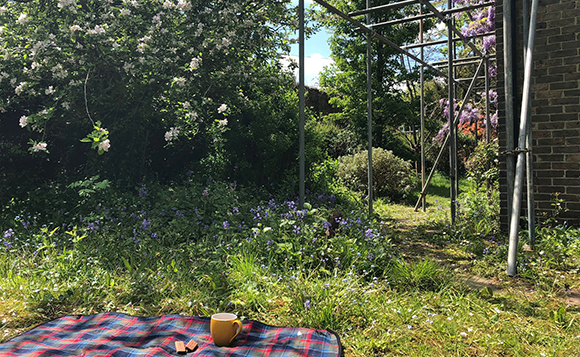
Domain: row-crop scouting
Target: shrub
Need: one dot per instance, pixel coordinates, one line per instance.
(339, 141)
(482, 164)
(392, 176)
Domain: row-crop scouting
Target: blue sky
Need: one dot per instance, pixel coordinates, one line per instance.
(317, 53)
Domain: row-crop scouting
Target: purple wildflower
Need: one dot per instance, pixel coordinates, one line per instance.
(9, 234)
(143, 191)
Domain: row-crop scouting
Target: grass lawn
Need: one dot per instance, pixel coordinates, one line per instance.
(400, 283)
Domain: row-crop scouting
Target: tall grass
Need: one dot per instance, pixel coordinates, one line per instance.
(202, 248)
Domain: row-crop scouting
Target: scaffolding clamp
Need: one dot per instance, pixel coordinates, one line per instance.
(513, 152)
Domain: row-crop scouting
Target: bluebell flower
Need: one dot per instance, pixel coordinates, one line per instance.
(296, 229)
(9, 234)
(145, 225)
(143, 191)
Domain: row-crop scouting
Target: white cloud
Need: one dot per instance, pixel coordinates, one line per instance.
(313, 65)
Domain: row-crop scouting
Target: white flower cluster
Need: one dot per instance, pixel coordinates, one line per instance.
(222, 108)
(105, 145)
(23, 121)
(180, 81)
(172, 134)
(66, 3)
(98, 30)
(195, 63)
(183, 5)
(22, 19)
(39, 147)
(21, 87)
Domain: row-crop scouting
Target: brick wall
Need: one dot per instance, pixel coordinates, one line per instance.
(555, 105)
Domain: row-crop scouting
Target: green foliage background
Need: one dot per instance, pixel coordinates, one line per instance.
(210, 70)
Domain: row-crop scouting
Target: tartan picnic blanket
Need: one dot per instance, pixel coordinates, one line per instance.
(121, 335)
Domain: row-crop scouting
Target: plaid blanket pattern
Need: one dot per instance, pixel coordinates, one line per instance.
(120, 335)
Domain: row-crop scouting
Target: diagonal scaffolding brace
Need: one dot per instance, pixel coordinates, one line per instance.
(453, 35)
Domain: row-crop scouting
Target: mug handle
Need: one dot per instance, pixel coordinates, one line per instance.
(239, 323)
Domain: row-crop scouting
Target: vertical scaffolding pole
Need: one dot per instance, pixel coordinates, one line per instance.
(529, 156)
(508, 59)
(524, 115)
(301, 101)
(487, 99)
(369, 113)
(422, 80)
(451, 98)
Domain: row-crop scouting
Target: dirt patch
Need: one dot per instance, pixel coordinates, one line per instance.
(478, 283)
(573, 298)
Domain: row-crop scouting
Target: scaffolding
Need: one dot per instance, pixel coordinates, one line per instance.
(515, 171)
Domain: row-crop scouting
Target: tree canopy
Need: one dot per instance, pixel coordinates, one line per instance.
(136, 76)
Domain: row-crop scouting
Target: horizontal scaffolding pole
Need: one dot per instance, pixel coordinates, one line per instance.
(473, 59)
(443, 18)
(460, 64)
(441, 42)
(380, 37)
(427, 16)
(483, 88)
(469, 79)
(383, 7)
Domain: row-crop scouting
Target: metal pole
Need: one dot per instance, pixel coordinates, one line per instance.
(427, 16)
(382, 7)
(301, 101)
(459, 62)
(508, 40)
(424, 200)
(524, 115)
(456, 120)
(441, 42)
(369, 114)
(529, 156)
(451, 28)
(379, 37)
(487, 99)
(451, 98)
(455, 95)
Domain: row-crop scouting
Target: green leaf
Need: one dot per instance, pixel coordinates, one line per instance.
(127, 265)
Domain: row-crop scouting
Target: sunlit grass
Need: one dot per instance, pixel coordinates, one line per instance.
(437, 205)
(396, 285)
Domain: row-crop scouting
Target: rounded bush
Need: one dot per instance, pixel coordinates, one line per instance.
(392, 176)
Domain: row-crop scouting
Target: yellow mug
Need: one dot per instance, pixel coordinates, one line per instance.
(223, 328)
